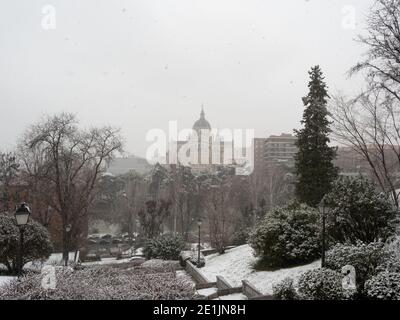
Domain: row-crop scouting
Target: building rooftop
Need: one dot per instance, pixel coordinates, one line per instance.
(202, 123)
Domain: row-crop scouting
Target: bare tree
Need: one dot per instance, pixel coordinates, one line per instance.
(152, 217)
(157, 206)
(217, 214)
(40, 192)
(134, 197)
(369, 125)
(183, 194)
(278, 184)
(382, 62)
(219, 208)
(71, 162)
(9, 167)
(272, 185)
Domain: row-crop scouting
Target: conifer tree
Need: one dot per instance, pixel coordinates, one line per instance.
(314, 168)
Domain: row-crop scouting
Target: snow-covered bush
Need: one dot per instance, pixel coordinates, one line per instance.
(365, 258)
(384, 286)
(101, 283)
(285, 290)
(37, 243)
(166, 247)
(321, 284)
(287, 236)
(193, 257)
(358, 212)
(392, 263)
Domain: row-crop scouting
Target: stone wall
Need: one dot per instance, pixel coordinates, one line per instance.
(196, 274)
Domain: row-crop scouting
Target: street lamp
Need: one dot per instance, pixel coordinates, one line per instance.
(128, 205)
(323, 207)
(21, 217)
(198, 247)
(68, 228)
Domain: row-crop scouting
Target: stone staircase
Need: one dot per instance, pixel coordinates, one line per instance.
(221, 289)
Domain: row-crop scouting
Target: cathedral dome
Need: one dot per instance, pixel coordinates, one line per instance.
(202, 123)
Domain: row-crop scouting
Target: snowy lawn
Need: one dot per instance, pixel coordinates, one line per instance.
(237, 265)
(54, 259)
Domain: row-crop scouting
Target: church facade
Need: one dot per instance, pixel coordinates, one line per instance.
(204, 150)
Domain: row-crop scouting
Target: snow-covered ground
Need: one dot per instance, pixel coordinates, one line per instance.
(207, 291)
(233, 296)
(237, 265)
(106, 261)
(5, 279)
(132, 251)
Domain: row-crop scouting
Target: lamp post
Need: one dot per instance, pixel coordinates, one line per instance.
(322, 209)
(21, 217)
(68, 228)
(198, 246)
(128, 208)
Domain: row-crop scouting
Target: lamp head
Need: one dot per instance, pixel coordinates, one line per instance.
(22, 214)
(68, 228)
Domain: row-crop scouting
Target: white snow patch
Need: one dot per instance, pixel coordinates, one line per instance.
(237, 265)
(5, 279)
(233, 296)
(106, 261)
(207, 291)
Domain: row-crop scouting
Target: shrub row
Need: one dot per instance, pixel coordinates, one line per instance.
(101, 283)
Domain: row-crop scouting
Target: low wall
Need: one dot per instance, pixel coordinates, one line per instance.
(249, 290)
(196, 274)
(200, 286)
(207, 252)
(263, 298)
(224, 292)
(222, 283)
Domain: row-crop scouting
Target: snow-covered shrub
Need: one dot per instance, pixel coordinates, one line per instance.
(285, 290)
(287, 236)
(358, 212)
(321, 284)
(37, 243)
(393, 246)
(384, 286)
(166, 247)
(101, 283)
(365, 258)
(193, 257)
(392, 263)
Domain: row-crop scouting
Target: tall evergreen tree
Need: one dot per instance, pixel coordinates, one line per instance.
(314, 167)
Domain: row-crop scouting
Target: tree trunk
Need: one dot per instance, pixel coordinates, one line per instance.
(65, 244)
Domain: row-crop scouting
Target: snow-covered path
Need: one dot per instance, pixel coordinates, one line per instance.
(236, 265)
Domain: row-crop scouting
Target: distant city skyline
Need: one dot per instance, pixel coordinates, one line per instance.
(140, 64)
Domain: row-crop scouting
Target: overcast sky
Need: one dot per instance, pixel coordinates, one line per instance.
(138, 64)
